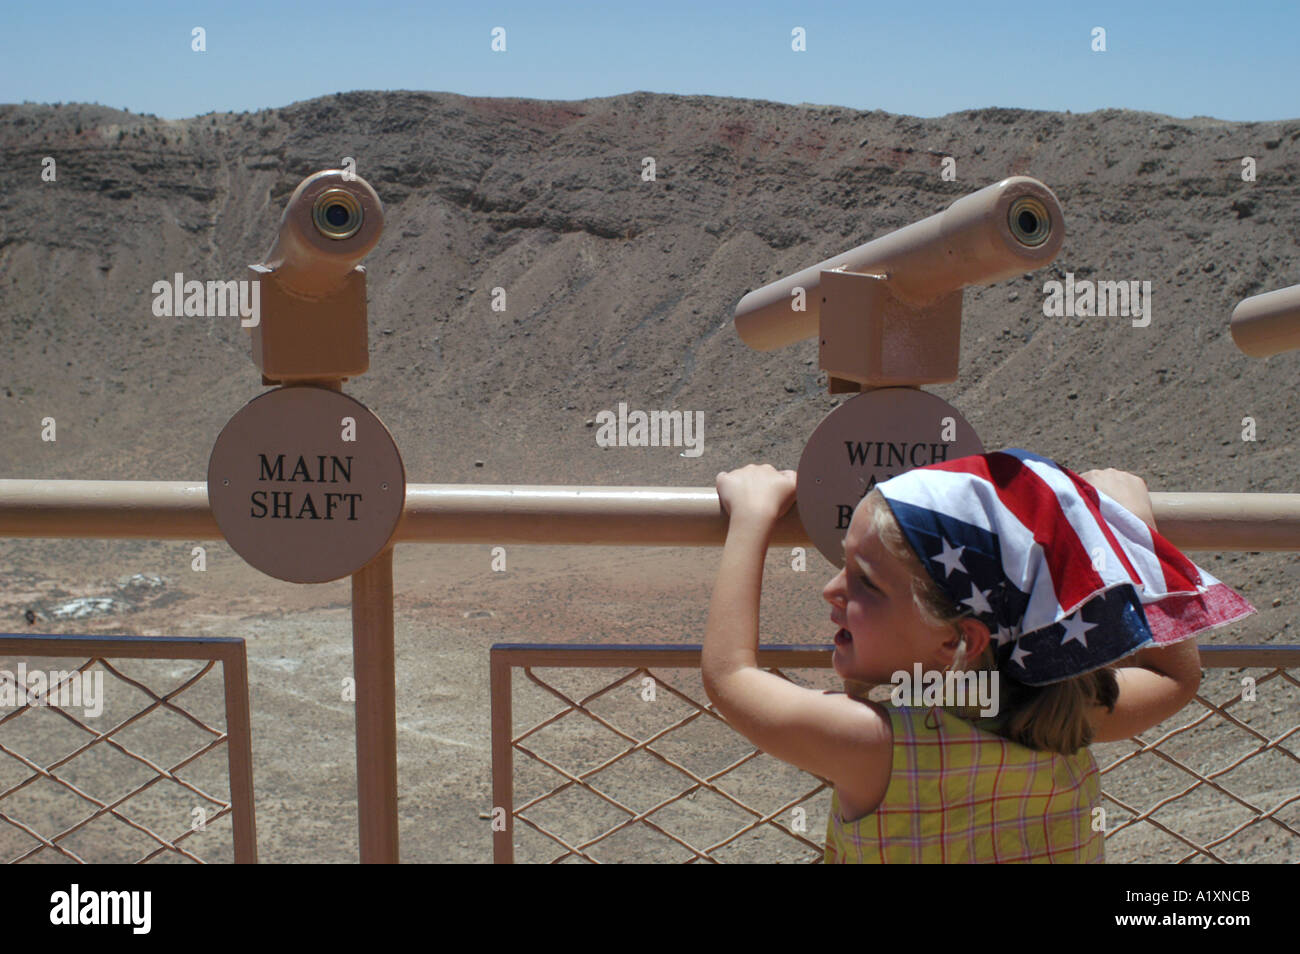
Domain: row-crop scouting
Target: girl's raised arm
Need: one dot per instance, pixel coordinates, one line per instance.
(1156, 682)
(829, 735)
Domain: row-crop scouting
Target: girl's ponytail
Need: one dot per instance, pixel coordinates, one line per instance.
(1054, 718)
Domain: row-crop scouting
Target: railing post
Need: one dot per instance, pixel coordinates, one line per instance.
(239, 746)
(376, 709)
(503, 770)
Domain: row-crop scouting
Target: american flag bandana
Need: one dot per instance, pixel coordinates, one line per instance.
(1066, 579)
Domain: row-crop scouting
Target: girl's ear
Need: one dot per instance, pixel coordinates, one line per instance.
(977, 637)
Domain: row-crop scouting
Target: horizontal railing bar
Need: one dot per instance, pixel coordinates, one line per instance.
(687, 655)
(99, 509)
(1234, 657)
(666, 656)
(217, 648)
(558, 514)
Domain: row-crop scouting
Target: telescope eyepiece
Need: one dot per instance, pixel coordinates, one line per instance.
(337, 214)
(1029, 221)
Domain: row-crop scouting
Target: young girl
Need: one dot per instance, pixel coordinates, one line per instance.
(1005, 563)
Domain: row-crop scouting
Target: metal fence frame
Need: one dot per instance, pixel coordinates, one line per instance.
(229, 651)
(639, 659)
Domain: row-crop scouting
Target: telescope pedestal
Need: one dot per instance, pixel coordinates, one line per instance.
(310, 339)
(870, 338)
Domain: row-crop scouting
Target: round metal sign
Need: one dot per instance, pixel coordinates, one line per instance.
(306, 484)
(877, 435)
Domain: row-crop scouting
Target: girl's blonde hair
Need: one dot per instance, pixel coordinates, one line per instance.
(1048, 718)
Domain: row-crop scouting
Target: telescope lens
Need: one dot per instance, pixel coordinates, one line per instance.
(1029, 222)
(337, 214)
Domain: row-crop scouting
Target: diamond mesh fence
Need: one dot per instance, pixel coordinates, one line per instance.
(614, 754)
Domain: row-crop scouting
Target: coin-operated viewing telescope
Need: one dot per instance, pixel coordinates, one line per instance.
(313, 292)
(889, 312)
(888, 318)
(305, 482)
(1268, 324)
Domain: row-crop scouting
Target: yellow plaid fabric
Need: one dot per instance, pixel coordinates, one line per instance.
(960, 794)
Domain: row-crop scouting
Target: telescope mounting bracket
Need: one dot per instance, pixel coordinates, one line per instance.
(870, 338)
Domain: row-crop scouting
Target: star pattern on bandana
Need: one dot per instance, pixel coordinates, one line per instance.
(978, 600)
(950, 558)
(1075, 628)
(986, 604)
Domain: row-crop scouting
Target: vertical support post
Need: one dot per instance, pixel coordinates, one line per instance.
(239, 754)
(376, 713)
(503, 780)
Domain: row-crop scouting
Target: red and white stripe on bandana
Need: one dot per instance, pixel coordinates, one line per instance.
(1066, 579)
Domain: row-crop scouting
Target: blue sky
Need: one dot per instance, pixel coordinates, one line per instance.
(1230, 61)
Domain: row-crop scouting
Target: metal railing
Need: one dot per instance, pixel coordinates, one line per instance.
(789, 816)
(521, 514)
(62, 772)
(560, 514)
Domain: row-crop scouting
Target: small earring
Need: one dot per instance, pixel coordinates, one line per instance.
(961, 647)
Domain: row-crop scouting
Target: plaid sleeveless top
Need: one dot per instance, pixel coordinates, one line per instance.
(961, 794)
